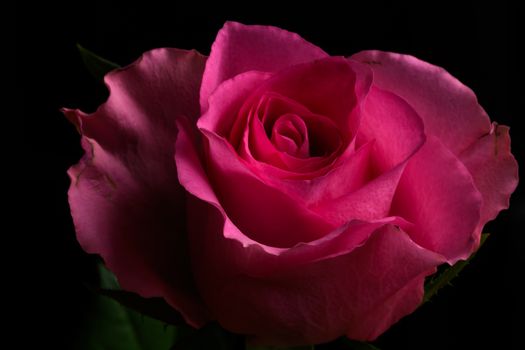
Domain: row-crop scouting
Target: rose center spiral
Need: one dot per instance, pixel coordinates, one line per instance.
(290, 135)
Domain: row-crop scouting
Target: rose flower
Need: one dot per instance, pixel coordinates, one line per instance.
(292, 196)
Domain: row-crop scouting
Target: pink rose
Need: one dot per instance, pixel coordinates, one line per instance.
(292, 196)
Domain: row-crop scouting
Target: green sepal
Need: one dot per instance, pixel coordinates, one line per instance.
(111, 326)
(96, 65)
(440, 280)
(155, 308)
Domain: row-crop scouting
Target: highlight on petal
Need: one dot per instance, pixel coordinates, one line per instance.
(124, 196)
(241, 48)
(450, 110)
(437, 194)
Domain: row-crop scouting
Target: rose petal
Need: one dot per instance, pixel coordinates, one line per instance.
(240, 48)
(195, 180)
(256, 148)
(449, 109)
(437, 194)
(125, 200)
(332, 87)
(260, 211)
(310, 293)
(395, 127)
(494, 170)
(305, 302)
(372, 201)
(290, 136)
(225, 115)
(246, 199)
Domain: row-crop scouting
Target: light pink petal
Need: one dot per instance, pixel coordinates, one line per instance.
(240, 48)
(449, 109)
(124, 196)
(438, 195)
(494, 170)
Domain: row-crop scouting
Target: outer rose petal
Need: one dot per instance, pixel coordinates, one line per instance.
(449, 109)
(124, 196)
(437, 194)
(239, 48)
(451, 112)
(494, 170)
(360, 293)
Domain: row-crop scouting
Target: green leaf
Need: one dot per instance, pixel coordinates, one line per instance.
(96, 65)
(107, 278)
(442, 279)
(111, 326)
(155, 308)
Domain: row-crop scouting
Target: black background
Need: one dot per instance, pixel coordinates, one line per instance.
(478, 43)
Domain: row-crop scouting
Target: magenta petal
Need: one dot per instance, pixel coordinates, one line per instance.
(494, 170)
(449, 109)
(370, 202)
(262, 154)
(259, 210)
(437, 194)
(240, 48)
(359, 293)
(331, 87)
(351, 281)
(290, 135)
(124, 196)
(395, 127)
(226, 103)
(195, 180)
